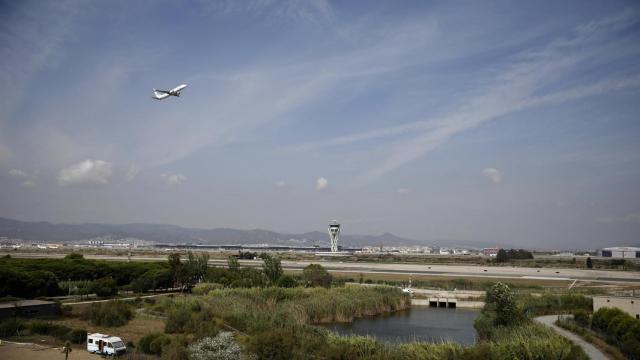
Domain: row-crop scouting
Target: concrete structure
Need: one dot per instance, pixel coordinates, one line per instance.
(621, 252)
(443, 302)
(334, 233)
(28, 308)
(630, 305)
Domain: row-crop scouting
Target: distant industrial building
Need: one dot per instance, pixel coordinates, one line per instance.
(630, 305)
(27, 308)
(621, 252)
(490, 251)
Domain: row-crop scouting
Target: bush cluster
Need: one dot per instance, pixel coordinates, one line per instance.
(64, 333)
(554, 303)
(109, 313)
(513, 254)
(12, 327)
(18, 327)
(619, 329)
(316, 275)
(153, 343)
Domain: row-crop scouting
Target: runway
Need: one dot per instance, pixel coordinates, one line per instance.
(455, 271)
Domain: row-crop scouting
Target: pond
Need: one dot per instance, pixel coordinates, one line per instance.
(419, 323)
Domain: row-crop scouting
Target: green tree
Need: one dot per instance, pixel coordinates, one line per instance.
(589, 263)
(194, 269)
(287, 281)
(104, 287)
(272, 267)
(503, 299)
(108, 313)
(233, 263)
(316, 275)
(581, 317)
(175, 266)
(74, 256)
(501, 256)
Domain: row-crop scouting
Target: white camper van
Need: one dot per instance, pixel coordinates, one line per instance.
(105, 344)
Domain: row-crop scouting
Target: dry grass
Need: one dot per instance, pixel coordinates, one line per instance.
(139, 326)
(20, 352)
(405, 277)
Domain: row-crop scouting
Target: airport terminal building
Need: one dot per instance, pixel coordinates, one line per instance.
(621, 252)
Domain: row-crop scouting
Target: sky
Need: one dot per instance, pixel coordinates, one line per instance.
(494, 121)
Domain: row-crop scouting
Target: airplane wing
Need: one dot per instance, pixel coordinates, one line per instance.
(160, 91)
(179, 88)
(160, 95)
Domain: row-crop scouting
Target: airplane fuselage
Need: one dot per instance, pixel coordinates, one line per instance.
(163, 94)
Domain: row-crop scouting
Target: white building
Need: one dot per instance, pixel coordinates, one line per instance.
(621, 252)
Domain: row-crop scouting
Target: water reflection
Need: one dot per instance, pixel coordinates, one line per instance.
(419, 323)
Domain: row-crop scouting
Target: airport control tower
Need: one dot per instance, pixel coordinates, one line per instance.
(334, 232)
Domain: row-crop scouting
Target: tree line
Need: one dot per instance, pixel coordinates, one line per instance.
(513, 254)
(31, 278)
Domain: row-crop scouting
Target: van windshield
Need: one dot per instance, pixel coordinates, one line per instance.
(118, 344)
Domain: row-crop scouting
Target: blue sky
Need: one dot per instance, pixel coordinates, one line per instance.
(489, 121)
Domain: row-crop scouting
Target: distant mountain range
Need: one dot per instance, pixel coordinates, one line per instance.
(171, 234)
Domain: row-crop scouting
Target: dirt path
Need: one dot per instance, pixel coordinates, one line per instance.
(127, 298)
(593, 352)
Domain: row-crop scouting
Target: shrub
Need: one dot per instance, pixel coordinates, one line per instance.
(11, 327)
(581, 317)
(316, 275)
(176, 349)
(78, 336)
(204, 288)
(222, 347)
(64, 333)
(110, 313)
(552, 303)
(178, 319)
(272, 267)
(273, 344)
(156, 345)
(503, 299)
(620, 329)
(152, 343)
(74, 256)
(287, 281)
(104, 287)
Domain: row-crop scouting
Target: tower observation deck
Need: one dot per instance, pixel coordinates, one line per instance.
(334, 233)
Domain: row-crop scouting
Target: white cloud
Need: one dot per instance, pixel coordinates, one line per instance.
(280, 183)
(17, 173)
(321, 183)
(632, 218)
(5, 153)
(515, 87)
(403, 190)
(27, 180)
(174, 179)
(313, 11)
(493, 174)
(88, 171)
(131, 174)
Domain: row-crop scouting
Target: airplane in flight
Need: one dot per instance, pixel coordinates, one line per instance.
(163, 94)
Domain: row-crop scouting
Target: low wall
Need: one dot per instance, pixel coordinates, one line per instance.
(460, 304)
